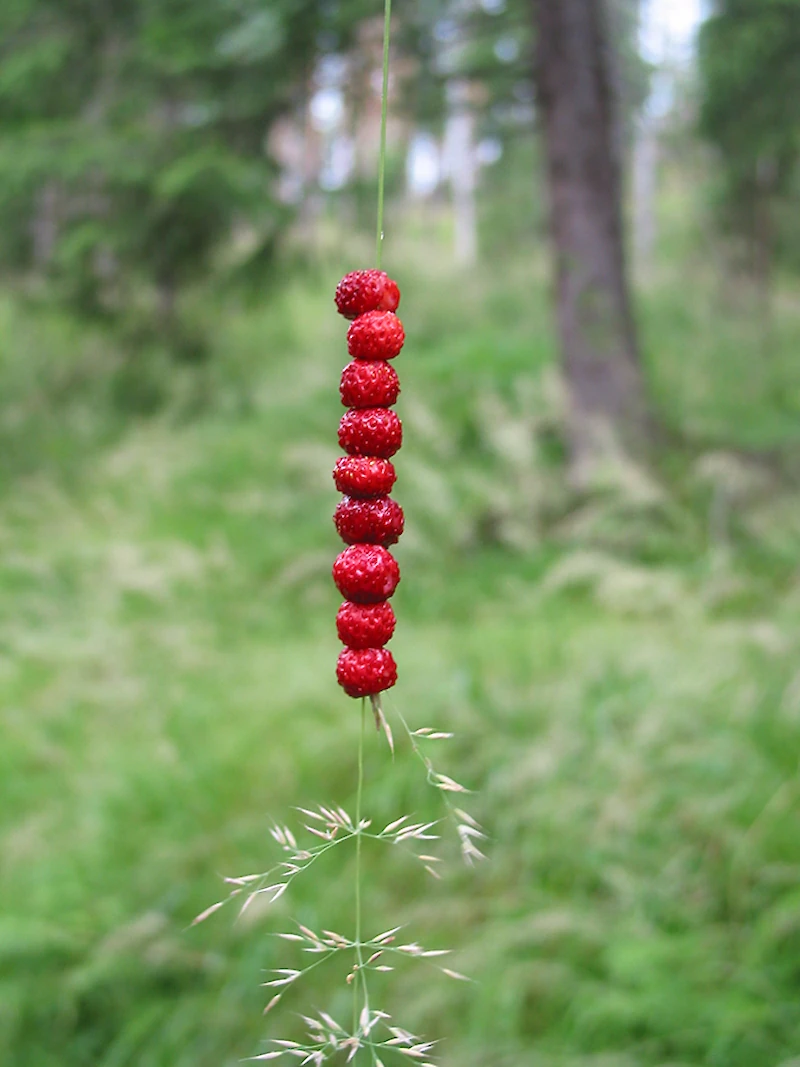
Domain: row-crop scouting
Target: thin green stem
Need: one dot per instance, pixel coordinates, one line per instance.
(361, 976)
(387, 20)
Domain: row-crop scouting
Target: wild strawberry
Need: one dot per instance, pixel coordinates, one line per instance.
(364, 672)
(375, 335)
(366, 574)
(364, 476)
(371, 432)
(365, 625)
(366, 290)
(369, 384)
(371, 522)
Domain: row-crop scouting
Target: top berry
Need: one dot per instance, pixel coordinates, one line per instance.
(366, 290)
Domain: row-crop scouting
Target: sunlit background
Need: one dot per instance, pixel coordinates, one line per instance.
(614, 646)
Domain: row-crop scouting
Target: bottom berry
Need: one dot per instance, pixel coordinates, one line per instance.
(364, 672)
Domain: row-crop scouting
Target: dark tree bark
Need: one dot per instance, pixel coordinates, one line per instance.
(577, 90)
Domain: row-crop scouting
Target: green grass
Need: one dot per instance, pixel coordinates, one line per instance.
(620, 673)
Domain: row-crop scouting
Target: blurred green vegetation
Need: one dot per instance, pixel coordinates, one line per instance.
(619, 666)
(620, 670)
(749, 110)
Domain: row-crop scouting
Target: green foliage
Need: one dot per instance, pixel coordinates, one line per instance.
(750, 111)
(132, 151)
(620, 672)
(751, 81)
(634, 71)
(135, 133)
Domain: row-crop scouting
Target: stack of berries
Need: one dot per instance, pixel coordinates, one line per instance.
(367, 518)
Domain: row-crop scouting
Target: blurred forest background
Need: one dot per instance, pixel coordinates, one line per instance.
(609, 621)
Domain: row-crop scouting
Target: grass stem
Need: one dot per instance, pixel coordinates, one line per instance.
(361, 976)
(387, 20)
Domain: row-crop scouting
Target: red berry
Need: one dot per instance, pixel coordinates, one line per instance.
(363, 672)
(375, 335)
(369, 384)
(364, 476)
(365, 625)
(366, 574)
(371, 432)
(371, 522)
(366, 290)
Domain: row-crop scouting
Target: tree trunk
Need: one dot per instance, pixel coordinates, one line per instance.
(459, 139)
(576, 89)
